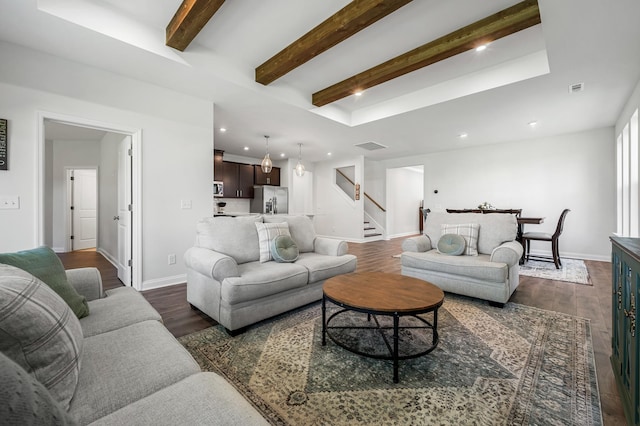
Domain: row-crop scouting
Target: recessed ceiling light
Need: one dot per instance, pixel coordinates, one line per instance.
(222, 129)
(246, 148)
(463, 135)
(481, 48)
(328, 153)
(282, 154)
(533, 123)
(358, 93)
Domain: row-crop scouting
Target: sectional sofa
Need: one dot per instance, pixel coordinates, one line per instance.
(118, 365)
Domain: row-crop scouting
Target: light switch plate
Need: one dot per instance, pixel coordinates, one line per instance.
(9, 202)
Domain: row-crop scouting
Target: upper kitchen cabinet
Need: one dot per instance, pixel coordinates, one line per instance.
(218, 167)
(271, 178)
(237, 179)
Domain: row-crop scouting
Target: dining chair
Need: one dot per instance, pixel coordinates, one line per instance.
(527, 237)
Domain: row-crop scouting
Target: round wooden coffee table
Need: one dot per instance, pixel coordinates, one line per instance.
(379, 293)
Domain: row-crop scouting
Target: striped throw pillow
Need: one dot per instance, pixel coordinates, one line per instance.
(40, 332)
(266, 233)
(468, 231)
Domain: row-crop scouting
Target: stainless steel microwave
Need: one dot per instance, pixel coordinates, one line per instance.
(218, 188)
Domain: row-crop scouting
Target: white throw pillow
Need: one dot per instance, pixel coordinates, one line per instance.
(266, 233)
(469, 231)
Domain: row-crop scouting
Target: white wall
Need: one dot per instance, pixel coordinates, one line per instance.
(542, 177)
(176, 148)
(108, 193)
(403, 201)
(336, 214)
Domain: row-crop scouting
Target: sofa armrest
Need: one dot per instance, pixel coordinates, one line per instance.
(330, 246)
(509, 253)
(86, 281)
(211, 263)
(418, 244)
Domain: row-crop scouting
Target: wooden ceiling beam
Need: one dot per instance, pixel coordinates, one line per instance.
(352, 18)
(189, 19)
(508, 21)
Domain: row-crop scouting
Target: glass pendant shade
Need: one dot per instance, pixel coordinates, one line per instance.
(266, 164)
(299, 167)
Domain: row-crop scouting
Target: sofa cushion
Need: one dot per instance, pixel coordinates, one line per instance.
(322, 266)
(284, 249)
(266, 233)
(469, 231)
(451, 244)
(258, 280)
(25, 401)
(44, 264)
(200, 399)
(123, 306)
(234, 236)
(125, 365)
(39, 332)
(301, 230)
(477, 267)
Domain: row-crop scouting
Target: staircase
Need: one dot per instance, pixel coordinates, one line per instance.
(370, 231)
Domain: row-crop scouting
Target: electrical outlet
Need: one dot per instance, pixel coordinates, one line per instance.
(185, 204)
(172, 259)
(9, 202)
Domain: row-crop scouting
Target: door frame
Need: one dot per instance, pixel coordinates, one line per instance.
(136, 181)
(68, 215)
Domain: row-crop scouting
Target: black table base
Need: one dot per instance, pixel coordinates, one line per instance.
(392, 347)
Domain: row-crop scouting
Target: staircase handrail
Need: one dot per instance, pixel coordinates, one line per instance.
(365, 194)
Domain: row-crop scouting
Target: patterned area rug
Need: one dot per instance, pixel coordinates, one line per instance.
(513, 366)
(573, 271)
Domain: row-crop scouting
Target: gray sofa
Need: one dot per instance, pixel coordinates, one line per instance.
(491, 275)
(131, 370)
(227, 281)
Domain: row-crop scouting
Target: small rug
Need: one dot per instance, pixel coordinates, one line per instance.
(513, 366)
(573, 271)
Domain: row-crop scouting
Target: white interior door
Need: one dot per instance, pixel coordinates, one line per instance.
(84, 210)
(123, 216)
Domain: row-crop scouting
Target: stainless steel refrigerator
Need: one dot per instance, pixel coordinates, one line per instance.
(269, 199)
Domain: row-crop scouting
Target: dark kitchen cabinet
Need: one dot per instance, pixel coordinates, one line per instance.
(237, 179)
(262, 178)
(218, 167)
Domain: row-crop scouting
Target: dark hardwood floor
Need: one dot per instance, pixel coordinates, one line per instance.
(593, 302)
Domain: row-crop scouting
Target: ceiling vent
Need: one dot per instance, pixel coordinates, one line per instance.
(577, 87)
(371, 146)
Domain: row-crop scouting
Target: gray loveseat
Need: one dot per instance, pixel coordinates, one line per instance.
(227, 281)
(130, 371)
(491, 275)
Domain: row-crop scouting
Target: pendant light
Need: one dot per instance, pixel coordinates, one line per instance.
(299, 166)
(266, 164)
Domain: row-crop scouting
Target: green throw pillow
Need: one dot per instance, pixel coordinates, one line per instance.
(284, 249)
(452, 244)
(44, 264)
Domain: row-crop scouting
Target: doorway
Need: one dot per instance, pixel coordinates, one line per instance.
(82, 209)
(106, 240)
(405, 192)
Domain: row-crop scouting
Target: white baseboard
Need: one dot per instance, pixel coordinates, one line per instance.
(108, 256)
(404, 234)
(164, 282)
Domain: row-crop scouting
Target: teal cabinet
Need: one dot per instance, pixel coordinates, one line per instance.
(625, 261)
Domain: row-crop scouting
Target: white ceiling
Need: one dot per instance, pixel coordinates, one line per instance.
(491, 96)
